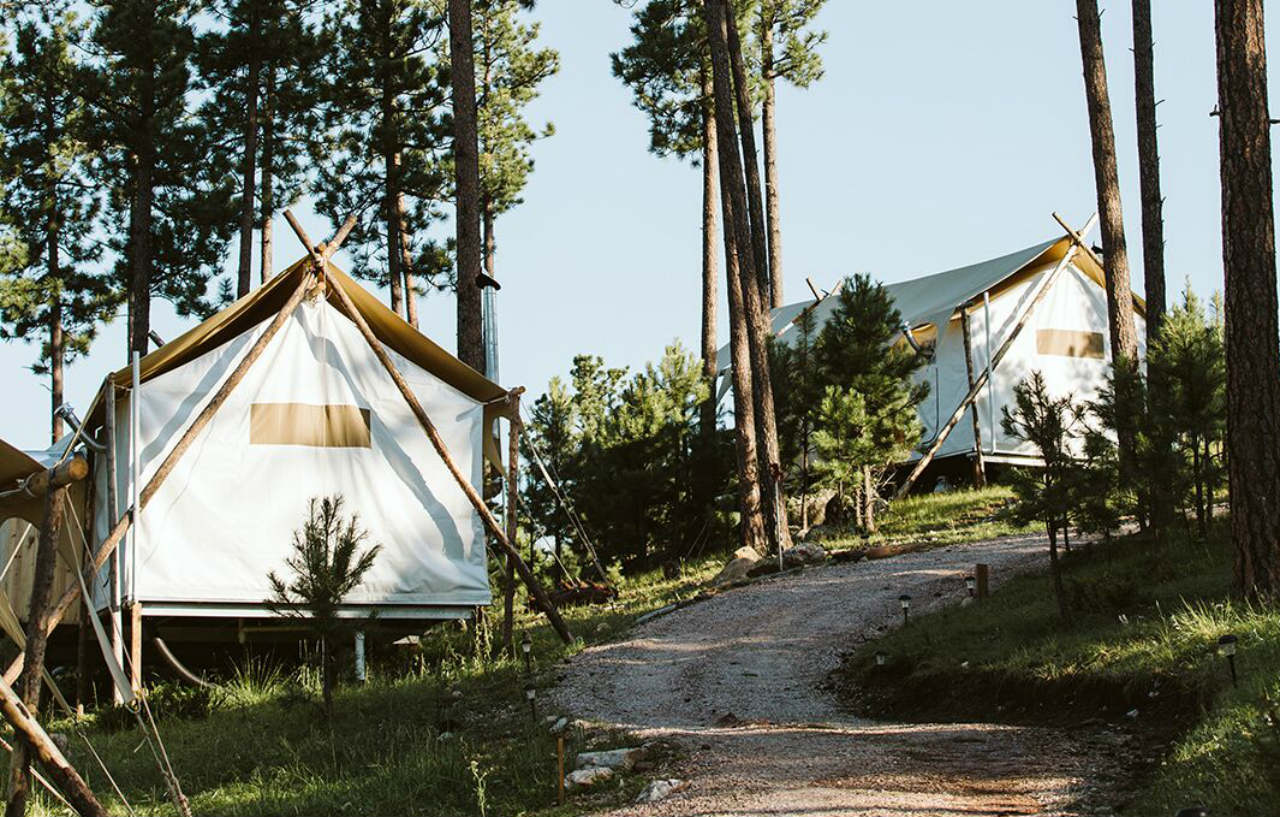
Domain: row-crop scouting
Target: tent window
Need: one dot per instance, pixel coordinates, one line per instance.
(332, 426)
(1070, 343)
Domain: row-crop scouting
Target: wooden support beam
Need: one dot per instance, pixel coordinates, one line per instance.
(979, 465)
(47, 754)
(113, 512)
(1077, 238)
(46, 562)
(135, 647)
(437, 442)
(64, 473)
(162, 473)
(513, 487)
(1046, 283)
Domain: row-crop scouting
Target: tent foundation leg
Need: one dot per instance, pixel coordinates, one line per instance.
(135, 646)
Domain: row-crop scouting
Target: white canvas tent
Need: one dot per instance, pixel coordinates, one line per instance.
(1065, 337)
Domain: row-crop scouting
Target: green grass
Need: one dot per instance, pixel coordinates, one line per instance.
(1145, 626)
(935, 520)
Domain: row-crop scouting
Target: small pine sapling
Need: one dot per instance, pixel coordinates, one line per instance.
(329, 560)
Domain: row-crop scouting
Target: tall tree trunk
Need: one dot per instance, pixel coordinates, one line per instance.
(56, 341)
(28, 684)
(391, 200)
(769, 126)
(710, 190)
(741, 269)
(1252, 330)
(268, 174)
(1149, 166)
(756, 301)
(406, 266)
(140, 248)
(746, 132)
(467, 170)
(1124, 339)
(244, 271)
(394, 222)
(869, 495)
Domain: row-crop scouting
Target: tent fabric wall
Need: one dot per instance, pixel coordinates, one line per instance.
(225, 517)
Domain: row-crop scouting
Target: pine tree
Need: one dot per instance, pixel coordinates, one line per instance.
(799, 390)
(257, 70)
(55, 294)
(859, 349)
(389, 149)
(466, 170)
(1252, 325)
(1044, 494)
(552, 434)
(509, 69)
(172, 200)
(788, 51)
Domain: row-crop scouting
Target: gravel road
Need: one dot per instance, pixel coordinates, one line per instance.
(760, 654)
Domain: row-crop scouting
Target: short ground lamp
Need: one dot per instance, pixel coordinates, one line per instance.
(881, 658)
(526, 646)
(531, 692)
(971, 584)
(1227, 647)
(905, 601)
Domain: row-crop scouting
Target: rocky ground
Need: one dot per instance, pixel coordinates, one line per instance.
(737, 681)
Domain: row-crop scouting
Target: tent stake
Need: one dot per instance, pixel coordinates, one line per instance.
(1077, 239)
(108, 546)
(437, 442)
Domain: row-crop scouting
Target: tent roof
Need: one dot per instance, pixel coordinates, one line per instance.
(933, 297)
(268, 299)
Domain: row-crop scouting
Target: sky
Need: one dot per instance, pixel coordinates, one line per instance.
(942, 134)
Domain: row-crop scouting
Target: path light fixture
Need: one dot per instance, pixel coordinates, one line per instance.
(1227, 647)
(905, 601)
(526, 646)
(971, 584)
(881, 658)
(531, 692)
(1193, 811)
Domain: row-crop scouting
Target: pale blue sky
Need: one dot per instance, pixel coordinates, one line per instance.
(943, 133)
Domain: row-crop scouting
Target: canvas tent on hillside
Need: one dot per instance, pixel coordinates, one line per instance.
(1065, 337)
(315, 415)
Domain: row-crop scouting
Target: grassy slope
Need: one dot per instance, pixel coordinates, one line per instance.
(1143, 638)
(265, 749)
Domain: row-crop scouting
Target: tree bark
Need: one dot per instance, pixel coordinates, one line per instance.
(467, 171)
(710, 190)
(1149, 166)
(244, 270)
(268, 174)
(406, 266)
(57, 344)
(143, 194)
(1252, 331)
(740, 266)
(746, 132)
(394, 221)
(768, 123)
(979, 466)
(28, 686)
(869, 494)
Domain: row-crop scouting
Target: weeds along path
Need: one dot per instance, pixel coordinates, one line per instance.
(737, 680)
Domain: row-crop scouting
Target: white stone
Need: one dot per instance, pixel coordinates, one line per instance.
(660, 789)
(611, 759)
(584, 778)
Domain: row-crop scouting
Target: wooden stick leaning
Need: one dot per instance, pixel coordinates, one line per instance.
(437, 442)
(121, 527)
(1045, 285)
(979, 466)
(46, 752)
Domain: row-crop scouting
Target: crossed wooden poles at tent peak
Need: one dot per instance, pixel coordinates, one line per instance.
(1046, 283)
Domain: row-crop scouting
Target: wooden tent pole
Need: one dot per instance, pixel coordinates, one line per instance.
(979, 465)
(437, 442)
(509, 575)
(46, 562)
(113, 512)
(1045, 285)
(46, 752)
(109, 544)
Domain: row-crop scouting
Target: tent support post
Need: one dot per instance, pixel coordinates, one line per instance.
(979, 465)
(1045, 285)
(113, 504)
(135, 646)
(437, 442)
(109, 545)
(513, 486)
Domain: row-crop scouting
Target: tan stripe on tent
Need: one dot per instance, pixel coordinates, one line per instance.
(1070, 343)
(331, 426)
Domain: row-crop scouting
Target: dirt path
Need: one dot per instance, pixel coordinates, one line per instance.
(737, 681)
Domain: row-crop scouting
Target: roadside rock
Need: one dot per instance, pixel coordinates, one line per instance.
(804, 553)
(744, 558)
(586, 778)
(622, 759)
(660, 789)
